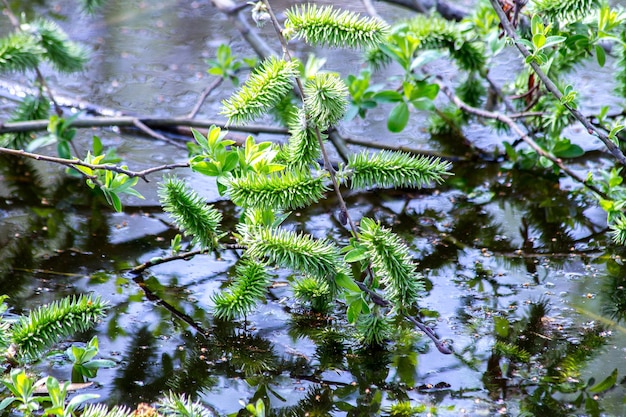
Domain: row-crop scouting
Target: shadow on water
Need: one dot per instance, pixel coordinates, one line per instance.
(520, 276)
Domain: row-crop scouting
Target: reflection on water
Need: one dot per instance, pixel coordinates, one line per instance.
(520, 276)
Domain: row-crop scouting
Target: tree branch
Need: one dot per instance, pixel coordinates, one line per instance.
(553, 89)
(514, 127)
(149, 121)
(74, 163)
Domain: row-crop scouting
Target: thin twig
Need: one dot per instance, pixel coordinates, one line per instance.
(141, 126)
(371, 10)
(74, 163)
(158, 261)
(377, 299)
(152, 296)
(552, 88)
(205, 93)
(401, 148)
(180, 256)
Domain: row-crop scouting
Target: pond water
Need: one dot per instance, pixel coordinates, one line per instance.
(513, 259)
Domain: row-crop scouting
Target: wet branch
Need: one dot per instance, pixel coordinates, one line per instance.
(183, 256)
(553, 89)
(132, 121)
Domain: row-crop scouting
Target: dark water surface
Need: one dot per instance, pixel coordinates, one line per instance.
(496, 248)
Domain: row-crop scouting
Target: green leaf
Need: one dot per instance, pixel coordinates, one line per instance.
(7, 402)
(115, 201)
(97, 145)
(608, 383)
(344, 281)
(501, 326)
(63, 149)
(231, 162)
(398, 118)
(387, 96)
(600, 55)
(357, 254)
(354, 310)
(207, 168)
(553, 40)
(539, 40)
(570, 151)
(423, 103)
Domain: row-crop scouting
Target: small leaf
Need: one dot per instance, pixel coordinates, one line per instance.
(97, 145)
(116, 202)
(501, 326)
(346, 282)
(398, 118)
(600, 55)
(356, 254)
(206, 168)
(571, 151)
(608, 383)
(387, 96)
(231, 161)
(539, 40)
(63, 149)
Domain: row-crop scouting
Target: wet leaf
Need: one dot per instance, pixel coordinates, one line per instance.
(606, 384)
(398, 118)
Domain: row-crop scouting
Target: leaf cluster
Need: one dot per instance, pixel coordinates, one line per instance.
(37, 41)
(271, 81)
(564, 10)
(394, 169)
(300, 252)
(249, 286)
(286, 190)
(44, 326)
(327, 26)
(190, 212)
(391, 263)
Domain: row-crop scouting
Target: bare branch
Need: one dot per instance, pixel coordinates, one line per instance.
(205, 93)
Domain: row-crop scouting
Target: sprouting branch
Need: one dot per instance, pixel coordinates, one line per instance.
(515, 127)
(553, 89)
(74, 163)
(327, 163)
